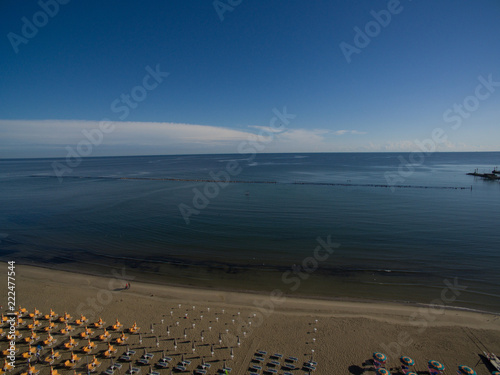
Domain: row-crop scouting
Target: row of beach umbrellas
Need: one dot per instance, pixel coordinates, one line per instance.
(407, 361)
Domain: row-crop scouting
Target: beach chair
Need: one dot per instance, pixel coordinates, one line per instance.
(117, 325)
(111, 350)
(105, 336)
(69, 364)
(31, 371)
(35, 314)
(50, 340)
(50, 326)
(100, 323)
(21, 311)
(7, 366)
(96, 362)
(122, 340)
(81, 321)
(89, 347)
(273, 363)
(53, 372)
(51, 315)
(133, 370)
(75, 358)
(65, 318)
(288, 366)
(134, 328)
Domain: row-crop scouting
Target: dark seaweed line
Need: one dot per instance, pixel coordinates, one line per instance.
(263, 182)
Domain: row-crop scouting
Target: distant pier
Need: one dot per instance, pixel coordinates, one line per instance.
(494, 175)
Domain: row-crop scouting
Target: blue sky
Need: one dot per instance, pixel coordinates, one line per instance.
(228, 71)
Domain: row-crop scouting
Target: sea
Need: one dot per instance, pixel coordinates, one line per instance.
(411, 228)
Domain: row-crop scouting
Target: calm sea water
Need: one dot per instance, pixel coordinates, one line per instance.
(395, 244)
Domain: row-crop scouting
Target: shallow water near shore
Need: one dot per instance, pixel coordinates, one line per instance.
(394, 244)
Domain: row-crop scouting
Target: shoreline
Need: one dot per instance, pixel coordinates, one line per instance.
(348, 285)
(33, 270)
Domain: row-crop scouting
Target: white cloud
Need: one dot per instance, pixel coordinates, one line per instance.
(342, 132)
(27, 137)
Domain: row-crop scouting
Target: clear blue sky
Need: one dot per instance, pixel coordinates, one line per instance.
(226, 76)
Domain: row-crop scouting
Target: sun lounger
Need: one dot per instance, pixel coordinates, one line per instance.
(258, 359)
(277, 356)
(262, 352)
(270, 371)
(274, 363)
(292, 359)
(309, 367)
(133, 370)
(180, 368)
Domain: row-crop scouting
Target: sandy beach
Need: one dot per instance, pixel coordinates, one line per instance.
(340, 335)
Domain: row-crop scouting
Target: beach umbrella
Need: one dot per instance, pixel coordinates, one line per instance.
(405, 360)
(436, 365)
(411, 373)
(383, 371)
(212, 350)
(232, 354)
(466, 370)
(495, 373)
(381, 357)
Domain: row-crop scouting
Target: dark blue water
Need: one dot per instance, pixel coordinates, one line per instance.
(395, 243)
